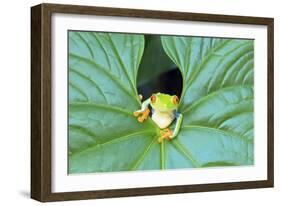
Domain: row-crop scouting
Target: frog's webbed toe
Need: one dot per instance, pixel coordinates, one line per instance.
(165, 134)
(142, 115)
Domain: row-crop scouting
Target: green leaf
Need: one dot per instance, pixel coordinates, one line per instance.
(103, 67)
(216, 101)
(103, 134)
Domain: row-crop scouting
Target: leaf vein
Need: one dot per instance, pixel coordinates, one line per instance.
(186, 153)
(79, 90)
(143, 155)
(102, 69)
(90, 80)
(187, 109)
(112, 141)
(121, 63)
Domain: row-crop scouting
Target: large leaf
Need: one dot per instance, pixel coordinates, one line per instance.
(103, 134)
(216, 101)
(217, 96)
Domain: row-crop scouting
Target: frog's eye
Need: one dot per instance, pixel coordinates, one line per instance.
(175, 99)
(153, 98)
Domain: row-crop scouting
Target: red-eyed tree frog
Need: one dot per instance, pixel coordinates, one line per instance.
(164, 112)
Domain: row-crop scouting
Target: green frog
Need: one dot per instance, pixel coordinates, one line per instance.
(164, 112)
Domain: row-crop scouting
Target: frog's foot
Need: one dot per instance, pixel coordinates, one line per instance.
(165, 134)
(142, 115)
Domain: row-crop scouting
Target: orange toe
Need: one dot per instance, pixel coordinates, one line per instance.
(165, 134)
(136, 113)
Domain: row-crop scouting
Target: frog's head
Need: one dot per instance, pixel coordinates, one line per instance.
(164, 102)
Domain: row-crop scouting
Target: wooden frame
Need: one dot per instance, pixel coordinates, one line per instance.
(41, 101)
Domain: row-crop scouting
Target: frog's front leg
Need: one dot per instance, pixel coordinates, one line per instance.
(178, 125)
(143, 113)
(168, 133)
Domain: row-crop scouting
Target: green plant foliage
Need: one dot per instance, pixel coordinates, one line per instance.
(217, 98)
(103, 134)
(216, 102)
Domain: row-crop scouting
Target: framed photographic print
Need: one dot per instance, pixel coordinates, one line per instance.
(132, 102)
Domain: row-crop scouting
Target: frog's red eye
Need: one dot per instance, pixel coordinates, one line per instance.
(153, 98)
(175, 99)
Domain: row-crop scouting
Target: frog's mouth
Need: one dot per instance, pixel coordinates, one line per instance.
(163, 109)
